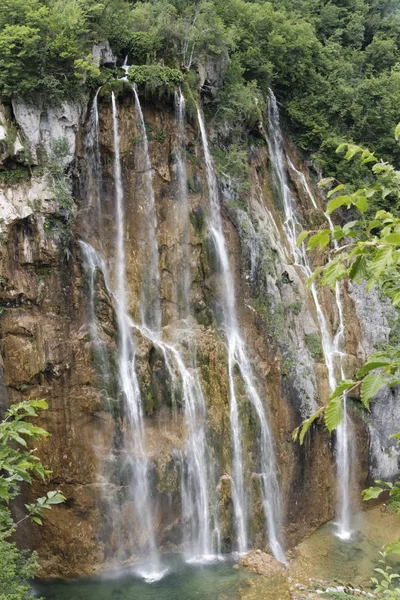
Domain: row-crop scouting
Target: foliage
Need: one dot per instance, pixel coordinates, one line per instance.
(314, 345)
(155, 77)
(366, 248)
(16, 569)
(18, 464)
(370, 252)
(331, 64)
(389, 584)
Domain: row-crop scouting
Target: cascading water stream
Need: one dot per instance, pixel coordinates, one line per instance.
(197, 472)
(331, 346)
(150, 293)
(237, 357)
(129, 383)
(180, 110)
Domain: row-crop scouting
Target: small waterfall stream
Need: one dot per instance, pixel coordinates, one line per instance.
(238, 358)
(129, 382)
(332, 346)
(150, 279)
(197, 472)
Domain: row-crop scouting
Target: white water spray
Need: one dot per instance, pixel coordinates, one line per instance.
(238, 358)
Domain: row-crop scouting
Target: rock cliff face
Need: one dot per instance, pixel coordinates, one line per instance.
(47, 349)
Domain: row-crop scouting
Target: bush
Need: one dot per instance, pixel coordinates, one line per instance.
(16, 569)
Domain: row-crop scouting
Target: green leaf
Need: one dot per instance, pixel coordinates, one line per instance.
(333, 414)
(342, 387)
(320, 239)
(372, 493)
(37, 520)
(370, 386)
(325, 181)
(392, 238)
(383, 258)
(397, 131)
(352, 150)
(307, 424)
(358, 269)
(336, 189)
(361, 203)
(337, 203)
(332, 272)
(373, 363)
(302, 236)
(393, 548)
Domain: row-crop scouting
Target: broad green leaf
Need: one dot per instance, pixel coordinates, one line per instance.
(302, 236)
(352, 150)
(37, 520)
(336, 189)
(397, 131)
(342, 387)
(370, 386)
(358, 269)
(361, 203)
(383, 258)
(372, 493)
(333, 272)
(307, 424)
(393, 548)
(372, 364)
(333, 414)
(392, 238)
(337, 203)
(320, 239)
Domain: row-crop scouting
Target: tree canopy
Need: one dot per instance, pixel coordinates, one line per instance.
(334, 66)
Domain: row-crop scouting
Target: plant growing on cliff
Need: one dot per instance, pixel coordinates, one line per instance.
(19, 465)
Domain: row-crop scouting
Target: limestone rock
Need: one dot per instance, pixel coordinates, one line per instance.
(41, 127)
(103, 55)
(211, 74)
(261, 563)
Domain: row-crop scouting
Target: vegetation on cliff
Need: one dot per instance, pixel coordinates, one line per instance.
(331, 64)
(19, 465)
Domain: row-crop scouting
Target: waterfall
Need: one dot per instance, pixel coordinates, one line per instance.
(129, 383)
(197, 471)
(150, 293)
(238, 358)
(331, 346)
(180, 111)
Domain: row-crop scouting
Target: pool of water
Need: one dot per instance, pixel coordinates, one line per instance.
(183, 582)
(321, 557)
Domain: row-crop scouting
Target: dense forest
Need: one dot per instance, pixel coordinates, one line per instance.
(333, 65)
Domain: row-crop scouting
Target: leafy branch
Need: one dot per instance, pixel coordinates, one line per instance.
(19, 464)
